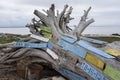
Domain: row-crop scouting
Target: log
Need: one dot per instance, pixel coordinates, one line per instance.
(59, 26)
(82, 24)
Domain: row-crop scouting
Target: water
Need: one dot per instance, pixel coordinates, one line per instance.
(102, 30)
(15, 30)
(88, 30)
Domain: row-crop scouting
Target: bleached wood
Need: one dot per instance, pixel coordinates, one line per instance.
(39, 38)
(52, 54)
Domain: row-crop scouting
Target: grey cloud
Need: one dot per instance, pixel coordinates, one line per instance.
(20, 12)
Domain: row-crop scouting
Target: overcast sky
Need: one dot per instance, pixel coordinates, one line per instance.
(15, 13)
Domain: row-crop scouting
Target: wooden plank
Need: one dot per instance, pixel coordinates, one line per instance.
(47, 35)
(69, 74)
(47, 29)
(93, 49)
(68, 39)
(39, 38)
(94, 41)
(50, 45)
(70, 58)
(95, 61)
(114, 74)
(52, 54)
(30, 45)
(70, 47)
(92, 72)
(113, 52)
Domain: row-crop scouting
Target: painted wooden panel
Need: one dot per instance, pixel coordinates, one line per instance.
(93, 49)
(47, 29)
(70, 58)
(92, 72)
(68, 39)
(39, 38)
(52, 54)
(70, 74)
(30, 45)
(114, 74)
(113, 52)
(47, 35)
(94, 41)
(70, 47)
(50, 45)
(95, 61)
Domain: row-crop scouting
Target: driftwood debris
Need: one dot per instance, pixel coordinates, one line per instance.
(59, 22)
(62, 57)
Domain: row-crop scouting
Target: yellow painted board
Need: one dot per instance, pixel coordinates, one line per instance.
(95, 61)
(111, 72)
(113, 52)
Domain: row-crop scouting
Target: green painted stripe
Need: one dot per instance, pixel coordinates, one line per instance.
(47, 29)
(47, 35)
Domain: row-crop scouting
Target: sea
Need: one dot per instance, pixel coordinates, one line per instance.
(88, 30)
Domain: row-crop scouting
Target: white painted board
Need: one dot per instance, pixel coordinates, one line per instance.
(39, 38)
(52, 54)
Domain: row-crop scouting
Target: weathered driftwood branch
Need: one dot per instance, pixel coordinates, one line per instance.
(82, 24)
(8, 47)
(59, 26)
(59, 23)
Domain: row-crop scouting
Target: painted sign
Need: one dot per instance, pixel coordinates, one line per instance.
(30, 45)
(70, 74)
(70, 47)
(39, 38)
(113, 52)
(68, 39)
(95, 61)
(114, 74)
(92, 72)
(52, 54)
(94, 41)
(47, 29)
(93, 49)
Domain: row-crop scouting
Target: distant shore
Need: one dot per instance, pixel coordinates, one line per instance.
(88, 30)
(8, 37)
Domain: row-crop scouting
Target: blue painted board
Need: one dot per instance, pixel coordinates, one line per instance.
(30, 45)
(92, 72)
(93, 49)
(94, 41)
(70, 74)
(50, 45)
(72, 48)
(68, 39)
